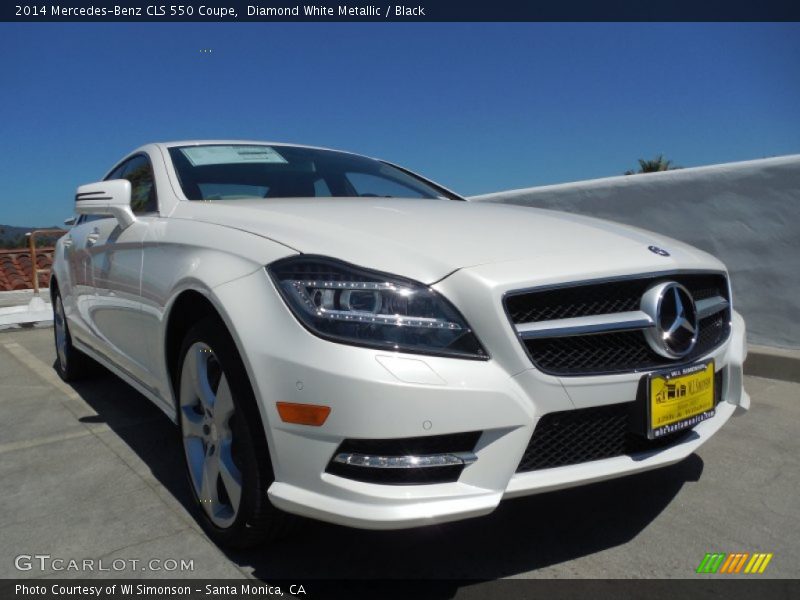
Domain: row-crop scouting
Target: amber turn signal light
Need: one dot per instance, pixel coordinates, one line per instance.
(303, 414)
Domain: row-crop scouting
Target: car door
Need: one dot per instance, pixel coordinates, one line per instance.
(80, 294)
(116, 265)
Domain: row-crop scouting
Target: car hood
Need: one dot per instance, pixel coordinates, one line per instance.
(428, 239)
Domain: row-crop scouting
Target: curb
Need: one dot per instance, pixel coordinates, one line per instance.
(35, 311)
(21, 297)
(773, 363)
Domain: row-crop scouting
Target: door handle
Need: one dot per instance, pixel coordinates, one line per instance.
(68, 241)
(92, 238)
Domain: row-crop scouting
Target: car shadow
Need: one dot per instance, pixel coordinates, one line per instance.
(522, 535)
(140, 425)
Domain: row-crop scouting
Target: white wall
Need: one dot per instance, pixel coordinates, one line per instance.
(747, 214)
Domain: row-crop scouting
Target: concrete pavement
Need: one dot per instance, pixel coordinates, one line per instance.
(83, 477)
(93, 471)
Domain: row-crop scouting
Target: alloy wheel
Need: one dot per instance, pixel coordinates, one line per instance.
(60, 333)
(207, 421)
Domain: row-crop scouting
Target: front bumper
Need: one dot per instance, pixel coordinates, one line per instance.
(379, 395)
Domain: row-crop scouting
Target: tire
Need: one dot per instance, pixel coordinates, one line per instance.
(71, 363)
(224, 444)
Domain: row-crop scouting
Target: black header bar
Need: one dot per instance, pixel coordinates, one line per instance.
(211, 11)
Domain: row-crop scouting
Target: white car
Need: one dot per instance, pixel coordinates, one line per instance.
(342, 339)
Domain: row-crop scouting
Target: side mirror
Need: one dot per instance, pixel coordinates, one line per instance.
(109, 198)
(70, 222)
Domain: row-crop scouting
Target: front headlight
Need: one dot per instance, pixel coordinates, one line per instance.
(347, 304)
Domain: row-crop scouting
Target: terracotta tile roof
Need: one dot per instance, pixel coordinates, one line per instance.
(15, 268)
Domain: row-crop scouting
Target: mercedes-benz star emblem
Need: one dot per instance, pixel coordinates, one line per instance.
(675, 328)
(657, 250)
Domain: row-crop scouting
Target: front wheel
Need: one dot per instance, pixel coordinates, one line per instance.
(224, 444)
(71, 363)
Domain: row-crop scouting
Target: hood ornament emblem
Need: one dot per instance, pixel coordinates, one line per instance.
(675, 322)
(657, 250)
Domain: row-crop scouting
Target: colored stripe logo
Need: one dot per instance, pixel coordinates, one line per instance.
(735, 562)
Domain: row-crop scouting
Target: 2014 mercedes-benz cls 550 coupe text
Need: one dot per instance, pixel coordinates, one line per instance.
(342, 339)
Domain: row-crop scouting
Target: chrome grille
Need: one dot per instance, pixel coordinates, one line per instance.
(596, 328)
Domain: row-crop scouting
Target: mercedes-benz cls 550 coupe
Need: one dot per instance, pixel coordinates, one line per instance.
(339, 338)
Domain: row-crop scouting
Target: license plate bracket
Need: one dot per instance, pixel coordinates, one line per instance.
(679, 398)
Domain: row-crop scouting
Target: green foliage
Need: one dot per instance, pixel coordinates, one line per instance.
(13, 238)
(14, 242)
(659, 163)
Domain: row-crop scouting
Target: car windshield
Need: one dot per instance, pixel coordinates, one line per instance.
(236, 171)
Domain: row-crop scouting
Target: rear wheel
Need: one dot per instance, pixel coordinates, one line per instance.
(71, 363)
(227, 458)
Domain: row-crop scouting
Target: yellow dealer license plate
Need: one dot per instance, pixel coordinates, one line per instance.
(680, 399)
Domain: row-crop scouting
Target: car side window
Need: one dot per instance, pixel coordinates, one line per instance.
(117, 173)
(366, 184)
(143, 187)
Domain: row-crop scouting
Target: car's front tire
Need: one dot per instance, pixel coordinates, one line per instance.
(71, 363)
(227, 458)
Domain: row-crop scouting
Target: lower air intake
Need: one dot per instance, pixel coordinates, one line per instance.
(582, 435)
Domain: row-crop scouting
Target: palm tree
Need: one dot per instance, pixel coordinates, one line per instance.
(659, 163)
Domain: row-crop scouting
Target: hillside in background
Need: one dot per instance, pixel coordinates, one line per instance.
(14, 237)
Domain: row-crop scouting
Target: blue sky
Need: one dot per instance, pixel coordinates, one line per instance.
(479, 107)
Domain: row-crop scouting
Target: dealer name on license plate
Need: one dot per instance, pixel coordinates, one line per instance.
(680, 399)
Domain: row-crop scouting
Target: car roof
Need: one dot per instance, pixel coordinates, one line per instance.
(173, 144)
